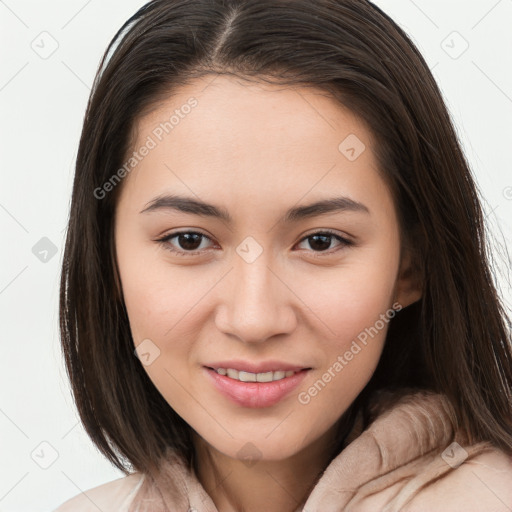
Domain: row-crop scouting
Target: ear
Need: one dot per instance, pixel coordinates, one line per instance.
(409, 282)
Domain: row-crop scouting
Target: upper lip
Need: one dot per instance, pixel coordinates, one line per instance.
(262, 367)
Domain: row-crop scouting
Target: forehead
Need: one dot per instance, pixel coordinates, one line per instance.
(225, 136)
(222, 109)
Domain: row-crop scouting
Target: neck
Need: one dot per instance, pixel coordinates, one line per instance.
(236, 485)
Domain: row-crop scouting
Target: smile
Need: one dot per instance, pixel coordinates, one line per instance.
(254, 377)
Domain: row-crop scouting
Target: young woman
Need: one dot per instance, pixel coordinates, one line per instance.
(276, 292)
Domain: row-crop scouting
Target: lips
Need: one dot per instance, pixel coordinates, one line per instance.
(256, 394)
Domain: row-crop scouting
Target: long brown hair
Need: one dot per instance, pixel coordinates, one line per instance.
(454, 340)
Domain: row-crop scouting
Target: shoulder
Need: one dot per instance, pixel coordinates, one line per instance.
(483, 482)
(113, 496)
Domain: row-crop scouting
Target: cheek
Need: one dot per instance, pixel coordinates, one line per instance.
(355, 312)
(353, 305)
(160, 305)
(351, 298)
(157, 297)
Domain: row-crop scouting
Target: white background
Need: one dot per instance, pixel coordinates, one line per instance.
(42, 105)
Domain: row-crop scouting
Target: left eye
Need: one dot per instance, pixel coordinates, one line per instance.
(189, 242)
(322, 240)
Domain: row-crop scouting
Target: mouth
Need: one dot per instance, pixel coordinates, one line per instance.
(243, 376)
(255, 389)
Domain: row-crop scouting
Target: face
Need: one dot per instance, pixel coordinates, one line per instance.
(257, 281)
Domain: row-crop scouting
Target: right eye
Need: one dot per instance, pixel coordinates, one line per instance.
(189, 241)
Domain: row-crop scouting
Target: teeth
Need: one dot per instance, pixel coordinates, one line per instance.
(247, 377)
(265, 377)
(254, 377)
(232, 374)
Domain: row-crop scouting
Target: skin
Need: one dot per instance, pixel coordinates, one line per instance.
(257, 150)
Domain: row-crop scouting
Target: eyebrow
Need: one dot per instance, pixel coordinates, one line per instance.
(295, 214)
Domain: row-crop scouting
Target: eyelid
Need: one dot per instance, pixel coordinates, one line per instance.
(346, 237)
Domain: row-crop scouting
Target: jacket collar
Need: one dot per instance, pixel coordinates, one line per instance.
(402, 437)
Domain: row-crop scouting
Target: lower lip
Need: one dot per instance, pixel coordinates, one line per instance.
(255, 394)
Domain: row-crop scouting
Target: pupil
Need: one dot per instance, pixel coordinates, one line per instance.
(186, 240)
(324, 244)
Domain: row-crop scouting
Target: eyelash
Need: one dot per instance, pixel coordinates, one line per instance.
(164, 241)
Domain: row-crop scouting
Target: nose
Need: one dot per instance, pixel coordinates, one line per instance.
(256, 302)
